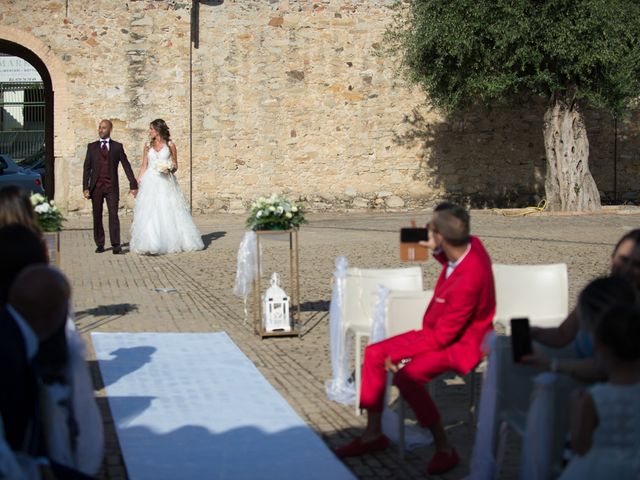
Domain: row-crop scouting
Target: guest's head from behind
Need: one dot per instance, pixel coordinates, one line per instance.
(158, 130)
(20, 247)
(16, 208)
(450, 225)
(40, 294)
(631, 268)
(618, 335)
(623, 251)
(600, 295)
(104, 128)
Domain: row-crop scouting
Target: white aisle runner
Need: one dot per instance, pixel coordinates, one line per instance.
(193, 406)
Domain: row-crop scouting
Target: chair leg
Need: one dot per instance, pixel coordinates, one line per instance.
(472, 399)
(431, 388)
(501, 448)
(358, 369)
(401, 415)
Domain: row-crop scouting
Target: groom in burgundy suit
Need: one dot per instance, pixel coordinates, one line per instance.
(100, 183)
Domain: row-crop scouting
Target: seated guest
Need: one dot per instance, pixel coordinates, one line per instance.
(630, 269)
(19, 248)
(578, 326)
(35, 316)
(36, 308)
(16, 209)
(605, 419)
(61, 364)
(454, 325)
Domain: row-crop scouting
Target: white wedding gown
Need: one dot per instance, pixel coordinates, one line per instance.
(161, 219)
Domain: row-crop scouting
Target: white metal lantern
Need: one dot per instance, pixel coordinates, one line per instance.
(275, 307)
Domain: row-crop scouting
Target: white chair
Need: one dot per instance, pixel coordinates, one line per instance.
(404, 313)
(539, 292)
(360, 289)
(516, 389)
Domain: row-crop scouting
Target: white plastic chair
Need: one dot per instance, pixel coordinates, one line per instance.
(404, 312)
(360, 289)
(539, 292)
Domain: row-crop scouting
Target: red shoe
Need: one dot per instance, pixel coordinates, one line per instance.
(442, 462)
(357, 447)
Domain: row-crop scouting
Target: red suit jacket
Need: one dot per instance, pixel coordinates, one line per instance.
(462, 308)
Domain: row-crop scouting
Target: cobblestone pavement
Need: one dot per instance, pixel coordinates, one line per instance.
(116, 293)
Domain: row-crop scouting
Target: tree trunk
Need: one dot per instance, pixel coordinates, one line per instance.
(569, 185)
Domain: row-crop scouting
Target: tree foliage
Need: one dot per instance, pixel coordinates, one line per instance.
(465, 51)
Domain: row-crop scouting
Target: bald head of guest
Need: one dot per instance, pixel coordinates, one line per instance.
(40, 294)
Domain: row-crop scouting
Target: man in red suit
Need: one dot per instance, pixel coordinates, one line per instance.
(100, 183)
(453, 327)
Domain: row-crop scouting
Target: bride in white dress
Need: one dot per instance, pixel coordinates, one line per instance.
(161, 219)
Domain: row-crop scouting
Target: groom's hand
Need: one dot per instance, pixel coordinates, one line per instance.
(133, 192)
(86, 193)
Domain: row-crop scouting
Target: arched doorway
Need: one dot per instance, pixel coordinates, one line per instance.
(17, 50)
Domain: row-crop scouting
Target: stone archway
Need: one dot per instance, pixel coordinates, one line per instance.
(59, 137)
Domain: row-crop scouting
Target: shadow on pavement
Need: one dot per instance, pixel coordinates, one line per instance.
(208, 238)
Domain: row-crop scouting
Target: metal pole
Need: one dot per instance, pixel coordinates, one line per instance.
(615, 159)
(193, 42)
(190, 127)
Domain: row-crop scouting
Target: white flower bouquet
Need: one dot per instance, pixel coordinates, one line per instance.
(275, 213)
(48, 214)
(163, 166)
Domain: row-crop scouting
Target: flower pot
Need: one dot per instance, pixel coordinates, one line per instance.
(52, 240)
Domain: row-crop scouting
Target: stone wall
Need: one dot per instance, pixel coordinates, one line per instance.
(287, 96)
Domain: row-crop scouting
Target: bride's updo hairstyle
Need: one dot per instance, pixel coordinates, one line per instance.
(161, 127)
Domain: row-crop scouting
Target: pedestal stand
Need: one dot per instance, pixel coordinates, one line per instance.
(292, 287)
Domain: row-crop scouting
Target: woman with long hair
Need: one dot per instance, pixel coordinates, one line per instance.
(16, 209)
(161, 220)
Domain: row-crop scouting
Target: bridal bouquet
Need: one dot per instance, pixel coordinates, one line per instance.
(163, 166)
(47, 213)
(275, 213)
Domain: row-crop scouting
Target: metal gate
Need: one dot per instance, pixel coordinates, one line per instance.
(22, 122)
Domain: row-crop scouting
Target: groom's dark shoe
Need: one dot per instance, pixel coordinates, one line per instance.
(99, 249)
(117, 249)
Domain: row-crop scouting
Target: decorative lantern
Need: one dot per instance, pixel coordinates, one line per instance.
(275, 307)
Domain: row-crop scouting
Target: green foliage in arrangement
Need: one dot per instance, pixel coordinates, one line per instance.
(275, 213)
(47, 212)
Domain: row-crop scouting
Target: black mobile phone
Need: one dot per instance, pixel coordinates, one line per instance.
(520, 338)
(413, 235)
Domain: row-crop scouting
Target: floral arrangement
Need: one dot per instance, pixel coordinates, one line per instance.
(163, 166)
(275, 213)
(47, 212)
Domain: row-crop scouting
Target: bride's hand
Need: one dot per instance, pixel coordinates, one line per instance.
(174, 169)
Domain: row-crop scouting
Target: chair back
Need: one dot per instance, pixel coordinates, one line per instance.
(361, 286)
(539, 292)
(405, 311)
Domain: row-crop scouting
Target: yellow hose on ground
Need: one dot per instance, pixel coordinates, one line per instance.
(522, 212)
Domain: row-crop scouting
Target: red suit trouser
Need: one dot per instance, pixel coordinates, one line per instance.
(424, 366)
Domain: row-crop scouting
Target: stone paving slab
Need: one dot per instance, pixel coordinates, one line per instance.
(117, 293)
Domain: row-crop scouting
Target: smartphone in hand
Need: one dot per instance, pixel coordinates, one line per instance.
(410, 248)
(520, 338)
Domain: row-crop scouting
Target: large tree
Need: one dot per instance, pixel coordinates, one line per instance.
(572, 52)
